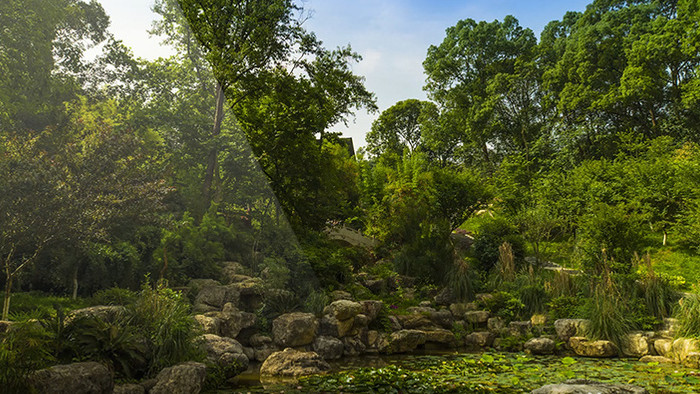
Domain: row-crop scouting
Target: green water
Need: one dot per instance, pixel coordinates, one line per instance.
(475, 373)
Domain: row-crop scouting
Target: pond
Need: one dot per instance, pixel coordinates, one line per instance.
(476, 373)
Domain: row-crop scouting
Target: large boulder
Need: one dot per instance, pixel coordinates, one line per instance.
(86, 377)
(681, 348)
(293, 363)
(567, 328)
(231, 320)
(225, 352)
(477, 317)
(129, 388)
(209, 324)
(294, 329)
(332, 327)
(635, 345)
(656, 359)
(372, 308)
(458, 310)
(353, 346)
(185, 378)
(479, 339)
(343, 309)
(441, 336)
(496, 324)
(328, 347)
(415, 321)
(662, 346)
(586, 348)
(519, 328)
(101, 312)
(404, 341)
(250, 293)
(582, 386)
(540, 346)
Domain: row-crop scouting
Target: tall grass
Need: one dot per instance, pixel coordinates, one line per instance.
(688, 315)
(460, 281)
(608, 314)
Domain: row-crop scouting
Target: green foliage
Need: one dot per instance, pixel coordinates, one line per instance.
(23, 349)
(460, 281)
(504, 305)
(316, 302)
(688, 315)
(489, 238)
(609, 315)
(114, 296)
(566, 307)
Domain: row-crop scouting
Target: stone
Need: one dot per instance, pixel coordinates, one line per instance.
(670, 327)
(185, 378)
(230, 270)
(129, 388)
(250, 294)
(519, 328)
(442, 318)
(635, 344)
(404, 341)
(692, 360)
(656, 359)
(444, 297)
(226, 353)
(341, 295)
(422, 310)
(343, 309)
(567, 328)
(212, 298)
(476, 317)
(538, 319)
(376, 286)
(328, 347)
(376, 340)
(394, 323)
(496, 324)
(293, 363)
(353, 346)
(372, 308)
(415, 321)
(232, 321)
(330, 326)
(209, 324)
(582, 386)
(540, 345)
(586, 348)
(479, 339)
(662, 346)
(681, 347)
(86, 377)
(441, 336)
(259, 340)
(458, 310)
(294, 329)
(261, 353)
(101, 312)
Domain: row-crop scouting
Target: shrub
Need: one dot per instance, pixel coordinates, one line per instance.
(688, 315)
(565, 307)
(460, 281)
(316, 302)
(504, 305)
(491, 235)
(609, 315)
(114, 296)
(23, 349)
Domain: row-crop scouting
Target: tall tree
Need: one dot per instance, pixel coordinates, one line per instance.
(401, 126)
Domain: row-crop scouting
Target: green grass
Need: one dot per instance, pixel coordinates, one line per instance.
(40, 305)
(670, 262)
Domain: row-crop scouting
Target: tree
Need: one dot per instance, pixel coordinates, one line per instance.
(401, 126)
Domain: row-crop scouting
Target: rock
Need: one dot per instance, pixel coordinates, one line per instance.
(209, 324)
(87, 377)
(404, 341)
(635, 345)
(681, 347)
(420, 310)
(361, 322)
(496, 324)
(444, 297)
(195, 285)
(670, 327)
(415, 321)
(540, 346)
(332, 327)
(343, 309)
(232, 320)
(294, 329)
(101, 312)
(538, 319)
(476, 317)
(185, 378)
(250, 294)
(692, 360)
(353, 346)
(226, 353)
(376, 340)
(425, 304)
(328, 347)
(213, 298)
(458, 310)
(567, 328)
(656, 359)
(479, 339)
(662, 346)
(441, 336)
(341, 295)
(372, 308)
(376, 286)
(293, 363)
(231, 270)
(442, 318)
(519, 328)
(582, 386)
(394, 323)
(583, 347)
(129, 389)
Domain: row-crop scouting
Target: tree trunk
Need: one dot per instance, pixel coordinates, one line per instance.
(212, 159)
(665, 237)
(75, 282)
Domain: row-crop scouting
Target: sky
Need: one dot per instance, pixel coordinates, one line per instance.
(392, 36)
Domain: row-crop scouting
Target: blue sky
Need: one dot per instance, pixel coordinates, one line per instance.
(392, 36)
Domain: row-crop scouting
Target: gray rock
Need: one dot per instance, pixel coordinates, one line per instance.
(479, 339)
(293, 363)
(681, 348)
(567, 328)
(581, 386)
(226, 353)
(496, 324)
(343, 309)
(129, 389)
(209, 324)
(540, 346)
(230, 270)
(442, 318)
(102, 312)
(259, 340)
(353, 346)
(586, 348)
(185, 378)
(476, 317)
(261, 353)
(460, 309)
(232, 321)
(372, 308)
(86, 377)
(635, 345)
(441, 336)
(294, 329)
(328, 347)
(415, 321)
(656, 359)
(662, 346)
(519, 328)
(404, 341)
(332, 327)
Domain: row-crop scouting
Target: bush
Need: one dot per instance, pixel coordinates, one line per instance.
(609, 315)
(114, 296)
(491, 235)
(565, 307)
(460, 281)
(688, 315)
(23, 349)
(504, 305)
(316, 302)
